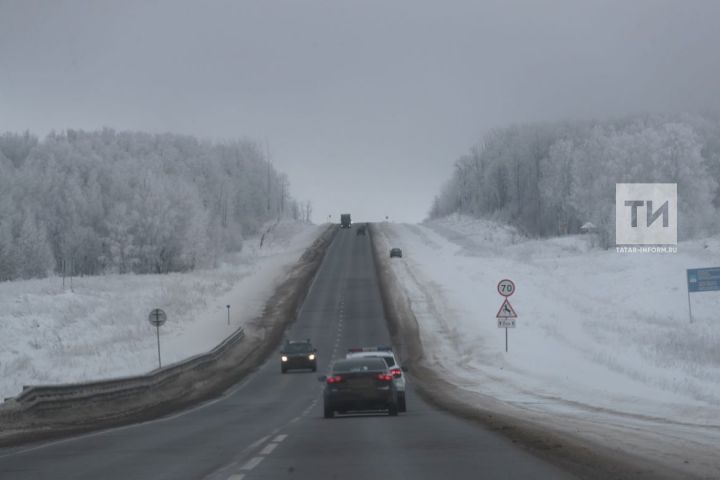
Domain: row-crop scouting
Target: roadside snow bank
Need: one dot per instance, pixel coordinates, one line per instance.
(99, 329)
(601, 336)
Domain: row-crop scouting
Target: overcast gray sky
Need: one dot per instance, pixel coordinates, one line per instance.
(364, 104)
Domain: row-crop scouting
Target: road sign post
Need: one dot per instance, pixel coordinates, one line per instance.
(506, 316)
(157, 318)
(157, 331)
(702, 280)
(228, 309)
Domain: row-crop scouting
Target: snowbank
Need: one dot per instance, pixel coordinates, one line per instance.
(600, 334)
(99, 328)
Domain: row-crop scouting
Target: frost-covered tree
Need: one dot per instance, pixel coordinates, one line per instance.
(33, 255)
(110, 201)
(16, 148)
(8, 265)
(549, 179)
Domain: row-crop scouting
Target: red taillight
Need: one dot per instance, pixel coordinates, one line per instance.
(384, 377)
(396, 371)
(335, 379)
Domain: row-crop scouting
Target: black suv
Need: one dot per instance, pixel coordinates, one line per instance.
(298, 354)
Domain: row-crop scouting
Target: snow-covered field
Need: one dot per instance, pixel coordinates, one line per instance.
(598, 331)
(99, 329)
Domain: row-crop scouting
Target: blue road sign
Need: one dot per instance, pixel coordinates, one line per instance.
(703, 279)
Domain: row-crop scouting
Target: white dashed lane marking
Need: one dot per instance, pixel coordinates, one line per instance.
(256, 443)
(268, 449)
(262, 454)
(252, 463)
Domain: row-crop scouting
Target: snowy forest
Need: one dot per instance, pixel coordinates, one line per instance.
(88, 203)
(550, 178)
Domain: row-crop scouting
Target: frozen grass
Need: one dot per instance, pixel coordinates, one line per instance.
(99, 329)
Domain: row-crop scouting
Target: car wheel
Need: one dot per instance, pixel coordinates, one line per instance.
(393, 409)
(401, 402)
(328, 412)
(314, 368)
(283, 370)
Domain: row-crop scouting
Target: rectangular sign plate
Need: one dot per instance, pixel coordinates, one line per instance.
(703, 279)
(506, 322)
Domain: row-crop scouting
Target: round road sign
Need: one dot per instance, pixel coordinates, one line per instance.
(157, 317)
(506, 287)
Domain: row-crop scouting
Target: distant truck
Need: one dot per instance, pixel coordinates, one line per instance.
(344, 220)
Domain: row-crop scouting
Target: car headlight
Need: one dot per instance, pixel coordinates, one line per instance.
(283, 358)
(311, 356)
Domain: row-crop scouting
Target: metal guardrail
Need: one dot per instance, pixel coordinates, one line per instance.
(58, 395)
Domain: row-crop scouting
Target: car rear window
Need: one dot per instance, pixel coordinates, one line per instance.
(390, 361)
(359, 365)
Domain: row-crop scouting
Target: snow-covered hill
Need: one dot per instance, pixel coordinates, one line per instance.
(99, 329)
(595, 328)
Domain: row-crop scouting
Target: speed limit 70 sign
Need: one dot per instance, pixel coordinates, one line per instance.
(506, 287)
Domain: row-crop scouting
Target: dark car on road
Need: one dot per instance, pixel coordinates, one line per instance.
(396, 370)
(395, 252)
(297, 354)
(359, 384)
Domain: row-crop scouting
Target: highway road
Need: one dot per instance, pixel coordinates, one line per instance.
(270, 426)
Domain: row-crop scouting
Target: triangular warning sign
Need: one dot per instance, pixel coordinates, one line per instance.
(506, 311)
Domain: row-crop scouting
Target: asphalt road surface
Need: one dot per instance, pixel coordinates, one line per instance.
(270, 426)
